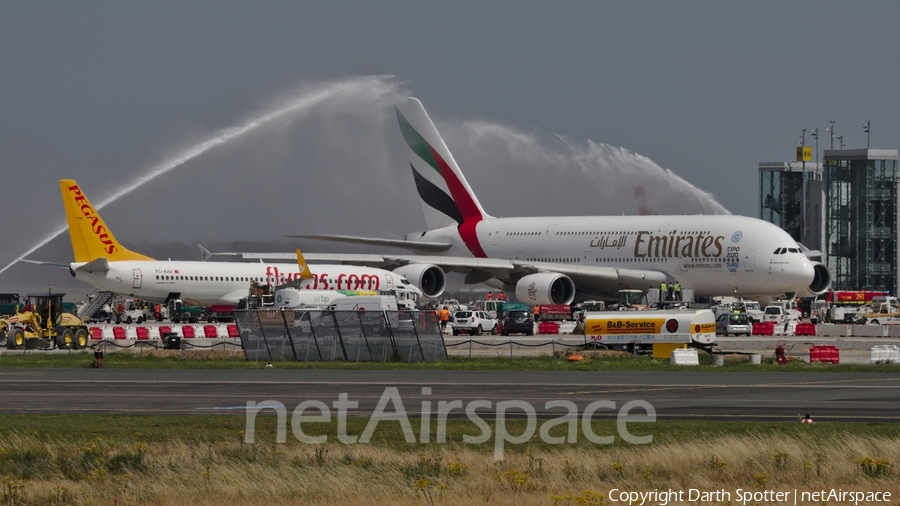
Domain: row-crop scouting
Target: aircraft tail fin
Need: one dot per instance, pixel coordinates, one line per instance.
(304, 269)
(446, 196)
(91, 238)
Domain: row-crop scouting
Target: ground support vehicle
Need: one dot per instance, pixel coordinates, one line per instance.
(473, 323)
(180, 310)
(45, 323)
(519, 321)
(729, 324)
(883, 311)
(9, 304)
(630, 329)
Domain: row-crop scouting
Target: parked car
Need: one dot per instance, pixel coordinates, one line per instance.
(518, 321)
(473, 322)
(733, 323)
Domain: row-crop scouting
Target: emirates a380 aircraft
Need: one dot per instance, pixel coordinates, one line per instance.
(556, 259)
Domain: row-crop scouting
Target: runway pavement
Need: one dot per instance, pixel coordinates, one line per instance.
(674, 395)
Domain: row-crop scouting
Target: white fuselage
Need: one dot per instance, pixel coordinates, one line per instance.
(713, 255)
(228, 282)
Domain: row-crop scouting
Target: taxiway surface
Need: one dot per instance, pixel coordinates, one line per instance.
(686, 395)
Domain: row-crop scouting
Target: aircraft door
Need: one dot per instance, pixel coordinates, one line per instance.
(136, 278)
(750, 260)
(498, 234)
(588, 257)
(390, 281)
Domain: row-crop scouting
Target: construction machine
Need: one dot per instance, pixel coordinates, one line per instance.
(46, 320)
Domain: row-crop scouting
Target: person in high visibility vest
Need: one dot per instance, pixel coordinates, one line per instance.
(663, 291)
(501, 296)
(490, 296)
(677, 289)
(445, 317)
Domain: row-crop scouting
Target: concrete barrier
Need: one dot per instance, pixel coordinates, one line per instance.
(684, 357)
(867, 330)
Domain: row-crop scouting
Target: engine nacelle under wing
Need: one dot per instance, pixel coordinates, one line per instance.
(426, 277)
(545, 288)
(821, 282)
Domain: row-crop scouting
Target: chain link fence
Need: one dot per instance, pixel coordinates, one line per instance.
(354, 336)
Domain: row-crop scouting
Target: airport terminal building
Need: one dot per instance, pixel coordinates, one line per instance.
(846, 207)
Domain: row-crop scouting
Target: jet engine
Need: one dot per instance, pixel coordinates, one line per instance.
(545, 288)
(821, 282)
(426, 277)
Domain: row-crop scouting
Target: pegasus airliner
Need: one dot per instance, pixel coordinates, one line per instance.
(100, 260)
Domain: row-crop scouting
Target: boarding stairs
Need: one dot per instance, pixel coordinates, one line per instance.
(100, 299)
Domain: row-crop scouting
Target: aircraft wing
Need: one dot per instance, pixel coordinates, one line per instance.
(597, 280)
(425, 247)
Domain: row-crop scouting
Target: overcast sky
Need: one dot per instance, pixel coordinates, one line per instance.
(549, 107)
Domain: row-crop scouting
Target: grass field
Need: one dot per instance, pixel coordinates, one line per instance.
(601, 361)
(100, 459)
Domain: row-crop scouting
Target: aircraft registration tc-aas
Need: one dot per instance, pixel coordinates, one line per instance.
(100, 260)
(548, 260)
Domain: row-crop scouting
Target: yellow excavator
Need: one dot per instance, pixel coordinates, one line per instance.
(44, 323)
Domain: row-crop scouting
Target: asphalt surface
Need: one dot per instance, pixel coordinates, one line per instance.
(674, 395)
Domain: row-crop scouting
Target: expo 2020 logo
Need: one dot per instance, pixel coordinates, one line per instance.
(736, 237)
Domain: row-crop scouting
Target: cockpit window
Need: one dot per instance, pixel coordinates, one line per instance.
(794, 250)
(777, 251)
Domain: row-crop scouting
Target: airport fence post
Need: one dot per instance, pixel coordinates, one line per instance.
(470, 348)
(553, 349)
(510, 349)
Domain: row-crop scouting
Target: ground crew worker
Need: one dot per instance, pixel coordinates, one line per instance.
(677, 289)
(501, 296)
(98, 358)
(445, 317)
(663, 291)
(537, 313)
(490, 296)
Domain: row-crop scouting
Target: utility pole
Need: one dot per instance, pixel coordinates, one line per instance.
(866, 129)
(815, 135)
(841, 140)
(832, 134)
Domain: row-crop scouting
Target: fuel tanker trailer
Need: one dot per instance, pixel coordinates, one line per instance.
(615, 329)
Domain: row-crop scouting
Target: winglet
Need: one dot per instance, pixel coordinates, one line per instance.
(204, 253)
(91, 238)
(304, 269)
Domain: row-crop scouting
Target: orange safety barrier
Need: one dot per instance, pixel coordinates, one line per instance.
(188, 332)
(233, 331)
(805, 329)
(119, 332)
(210, 331)
(548, 328)
(763, 328)
(143, 333)
(96, 333)
(825, 353)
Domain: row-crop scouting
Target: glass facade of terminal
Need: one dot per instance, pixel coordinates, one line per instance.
(861, 192)
(790, 196)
